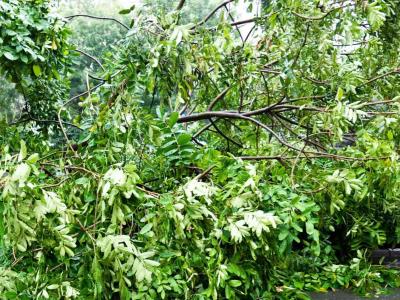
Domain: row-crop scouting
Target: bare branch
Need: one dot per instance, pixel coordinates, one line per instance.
(212, 13)
(91, 57)
(98, 18)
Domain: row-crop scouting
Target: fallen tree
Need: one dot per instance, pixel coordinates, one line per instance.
(201, 163)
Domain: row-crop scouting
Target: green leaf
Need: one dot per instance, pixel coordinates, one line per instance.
(37, 70)
(376, 17)
(23, 151)
(173, 118)
(33, 158)
(124, 11)
(82, 181)
(146, 228)
(127, 10)
(309, 227)
(339, 94)
(235, 283)
(283, 234)
(10, 56)
(184, 138)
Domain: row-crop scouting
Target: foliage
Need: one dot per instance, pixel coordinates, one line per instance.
(32, 46)
(97, 38)
(208, 166)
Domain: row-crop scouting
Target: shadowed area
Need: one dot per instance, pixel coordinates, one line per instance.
(347, 295)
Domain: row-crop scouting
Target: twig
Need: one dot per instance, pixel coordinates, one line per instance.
(55, 267)
(205, 173)
(86, 231)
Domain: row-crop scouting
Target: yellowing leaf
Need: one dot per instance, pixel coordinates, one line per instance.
(339, 94)
(54, 45)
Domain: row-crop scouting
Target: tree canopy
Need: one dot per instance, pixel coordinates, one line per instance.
(201, 161)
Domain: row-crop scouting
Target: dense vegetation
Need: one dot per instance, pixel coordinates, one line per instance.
(196, 161)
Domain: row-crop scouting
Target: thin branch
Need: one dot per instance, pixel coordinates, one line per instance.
(96, 78)
(295, 107)
(380, 102)
(241, 22)
(235, 115)
(202, 130)
(316, 18)
(209, 115)
(224, 135)
(233, 20)
(249, 34)
(306, 139)
(205, 173)
(98, 18)
(219, 97)
(49, 186)
(316, 156)
(302, 46)
(60, 121)
(270, 71)
(208, 17)
(396, 71)
(84, 93)
(351, 45)
(316, 81)
(91, 57)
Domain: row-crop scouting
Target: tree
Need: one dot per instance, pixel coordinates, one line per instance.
(209, 165)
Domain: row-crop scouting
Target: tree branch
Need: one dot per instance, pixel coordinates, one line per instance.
(97, 18)
(181, 4)
(315, 156)
(396, 71)
(212, 13)
(219, 97)
(91, 57)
